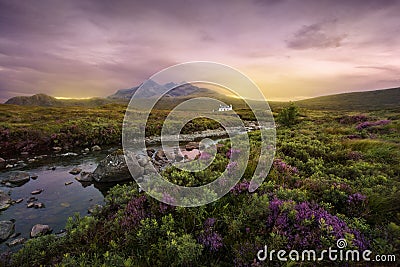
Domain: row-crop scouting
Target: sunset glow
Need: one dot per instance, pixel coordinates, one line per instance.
(290, 49)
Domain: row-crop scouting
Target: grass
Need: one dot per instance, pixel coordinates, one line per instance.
(329, 180)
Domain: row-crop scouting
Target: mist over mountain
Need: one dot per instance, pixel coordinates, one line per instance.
(154, 89)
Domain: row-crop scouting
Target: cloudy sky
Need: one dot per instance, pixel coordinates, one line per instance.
(291, 49)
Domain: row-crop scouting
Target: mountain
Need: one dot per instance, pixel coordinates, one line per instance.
(366, 100)
(154, 89)
(49, 101)
(35, 100)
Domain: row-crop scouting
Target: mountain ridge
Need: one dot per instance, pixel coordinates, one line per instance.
(374, 99)
(44, 100)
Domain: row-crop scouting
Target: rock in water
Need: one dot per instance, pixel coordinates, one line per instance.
(75, 171)
(85, 177)
(114, 169)
(6, 230)
(37, 191)
(17, 241)
(32, 199)
(5, 200)
(40, 229)
(38, 205)
(19, 178)
(96, 148)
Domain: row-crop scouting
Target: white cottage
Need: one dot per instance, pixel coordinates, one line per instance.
(225, 108)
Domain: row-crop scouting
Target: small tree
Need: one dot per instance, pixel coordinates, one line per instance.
(288, 116)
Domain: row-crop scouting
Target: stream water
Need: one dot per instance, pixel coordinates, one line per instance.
(60, 200)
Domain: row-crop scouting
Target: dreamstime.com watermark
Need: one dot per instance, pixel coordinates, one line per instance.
(331, 254)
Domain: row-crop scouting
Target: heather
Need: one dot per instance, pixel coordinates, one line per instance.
(322, 186)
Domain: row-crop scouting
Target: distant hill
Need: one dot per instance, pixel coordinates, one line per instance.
(49, 101)
(366, 100)
(35, 100)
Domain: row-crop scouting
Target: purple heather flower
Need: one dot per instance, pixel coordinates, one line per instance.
(353, 119)
(367, 124)
(356, 199)
(209, 237)
(305, 223)
(134, 212)
(240, 187)
(283, 167)
(209, 222)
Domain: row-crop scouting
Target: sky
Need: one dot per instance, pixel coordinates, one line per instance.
(290, 49)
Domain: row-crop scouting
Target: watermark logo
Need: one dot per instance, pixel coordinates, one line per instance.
(340, 253)
(214, 75)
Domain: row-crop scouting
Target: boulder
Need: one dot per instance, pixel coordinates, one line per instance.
(169, 155)
(6, 230)
(19, 178)
(16, 242)
(114, 169)
(148, 169)
(75, 171)
(85, 177)
(191, 155)
(160, 155)
(40, 229)
(5, 200)
(192, 145)
(96, 148)
(142, 160)
(150, 152)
